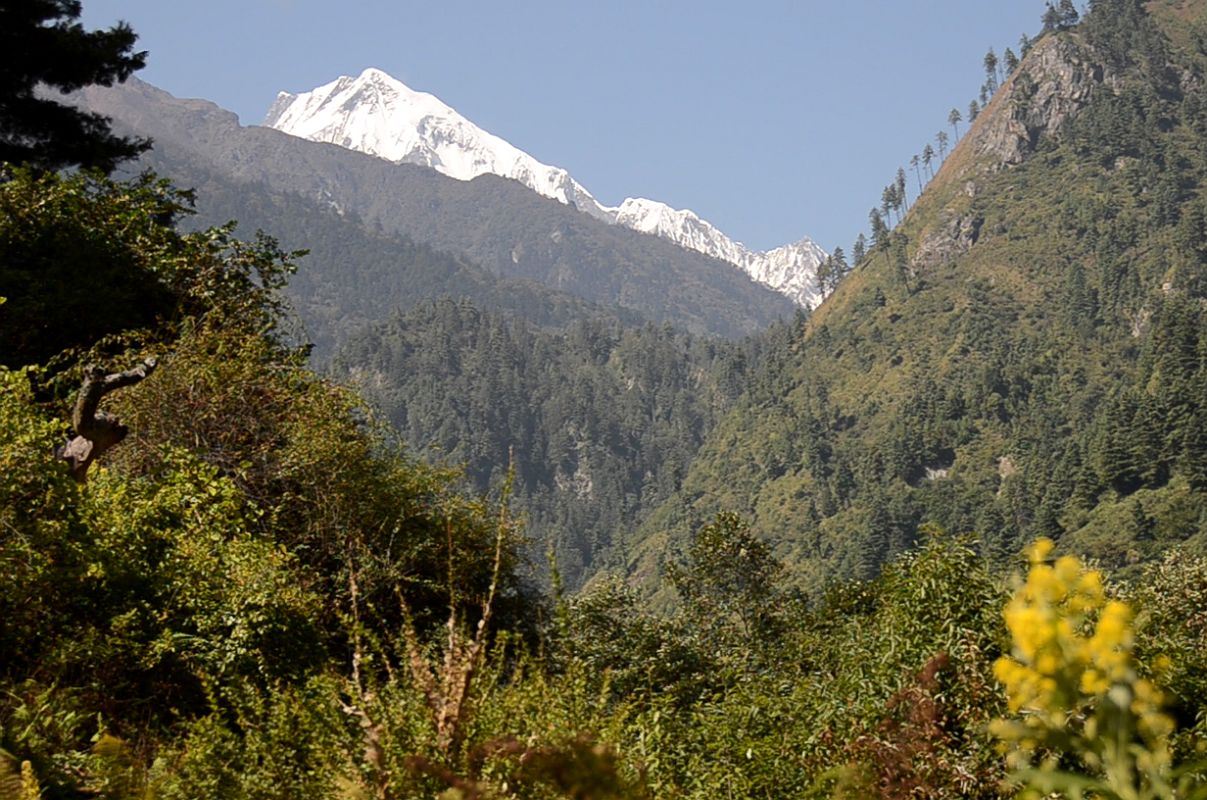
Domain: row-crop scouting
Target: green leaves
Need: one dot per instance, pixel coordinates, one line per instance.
(728, 583)
(89, 263)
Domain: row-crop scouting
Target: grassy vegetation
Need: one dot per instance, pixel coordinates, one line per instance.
(260, 594)
(1019, 385)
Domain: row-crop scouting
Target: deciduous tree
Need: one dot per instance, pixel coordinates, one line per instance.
(729, 576)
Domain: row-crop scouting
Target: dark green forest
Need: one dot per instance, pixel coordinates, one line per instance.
(942, 538)
(356, 274)
(599, 421)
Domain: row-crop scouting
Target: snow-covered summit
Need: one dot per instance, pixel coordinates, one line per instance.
(788, 269)
(377, 114)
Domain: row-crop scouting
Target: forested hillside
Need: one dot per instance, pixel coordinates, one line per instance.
(600, 421)
(601, 411)
(1024, 355)
(222, 577)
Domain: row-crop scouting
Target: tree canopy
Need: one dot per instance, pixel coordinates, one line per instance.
(44, 48)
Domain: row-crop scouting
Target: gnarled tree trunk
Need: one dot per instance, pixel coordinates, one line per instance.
(96, 431)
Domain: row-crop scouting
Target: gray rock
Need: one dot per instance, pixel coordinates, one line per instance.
(942, 244)
(1057, 80)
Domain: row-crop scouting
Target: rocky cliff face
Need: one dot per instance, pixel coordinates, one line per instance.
(953, 238)
(1054, 82)
(1057, 79)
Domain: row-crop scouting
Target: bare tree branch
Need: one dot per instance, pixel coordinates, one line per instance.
(96, 431)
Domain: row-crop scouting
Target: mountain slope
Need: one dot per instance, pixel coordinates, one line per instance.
(791, 270)
(376, 114)
(495, 223)
(599, 412)
(352, 277)
(1025, 355)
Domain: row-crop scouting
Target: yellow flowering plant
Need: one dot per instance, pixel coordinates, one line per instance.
(1087, 724)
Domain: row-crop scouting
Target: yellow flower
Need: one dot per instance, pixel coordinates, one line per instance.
(1071, 672)
(1040, 551)
(1094, 682)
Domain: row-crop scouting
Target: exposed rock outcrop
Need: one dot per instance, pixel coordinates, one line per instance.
(1057, 79)
(946, 242)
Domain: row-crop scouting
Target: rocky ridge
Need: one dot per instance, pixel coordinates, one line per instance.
(376, 114)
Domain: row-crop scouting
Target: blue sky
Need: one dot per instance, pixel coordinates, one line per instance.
(773, 120)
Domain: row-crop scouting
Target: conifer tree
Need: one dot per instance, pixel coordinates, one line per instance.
(1067, 13)
(1143, 526)
(1047, 521)
(974, 110)
(928, 155)
(1192, 461)
(914, 162)
(1152, 465)
(941, 139)
(1051, 19)
(42, 44)
(990, 63)
(879, 229)
(823, 277)
(901, 261)
(954, 118)
(859, 250)
(1086, 484)
(1011, 61)
(1114, 456)
(839, 267)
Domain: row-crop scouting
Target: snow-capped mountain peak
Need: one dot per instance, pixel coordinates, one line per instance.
(379, 115)
(681, 225)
